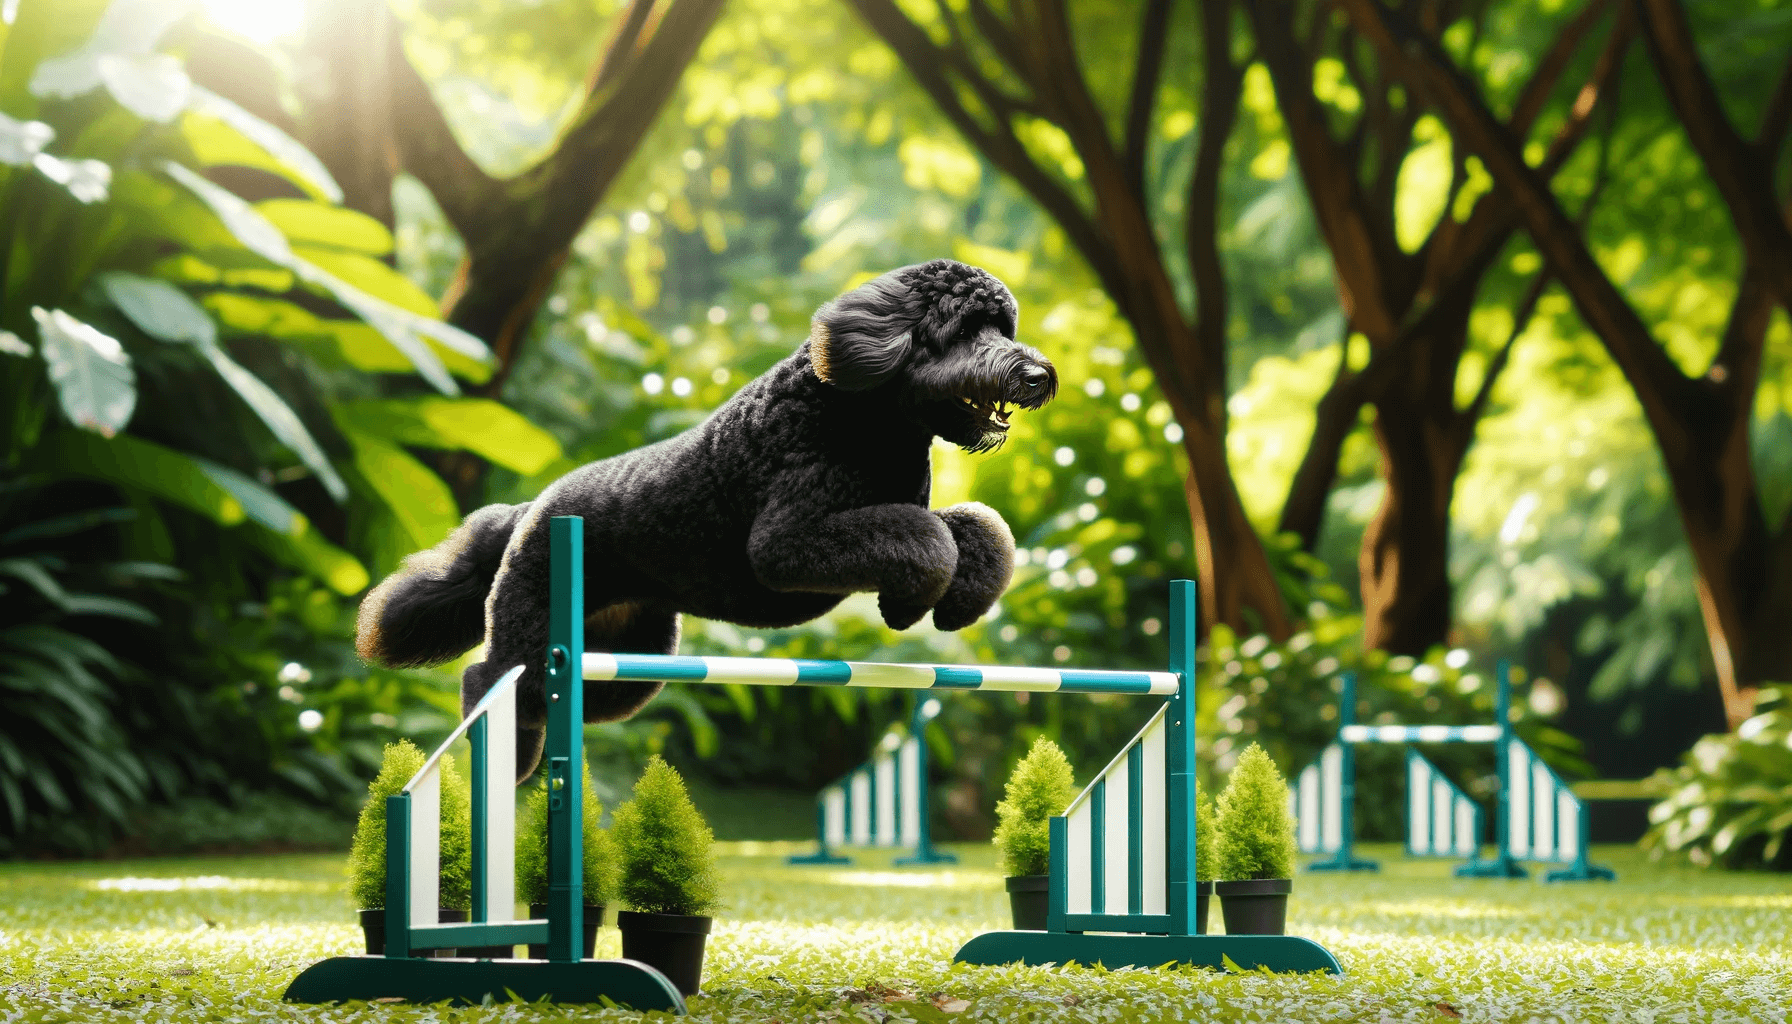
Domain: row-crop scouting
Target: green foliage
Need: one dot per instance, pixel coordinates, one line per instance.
(1041, 786)
(599, 848)
(668, 860)
(1729, 803)
(1255, 830)
(367, 853)
(1206, 840)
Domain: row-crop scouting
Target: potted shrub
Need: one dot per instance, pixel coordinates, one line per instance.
(1040, 786)
(367, 854)
(1206, 860)
(668, 866)
(1255, 848)
(532, 861)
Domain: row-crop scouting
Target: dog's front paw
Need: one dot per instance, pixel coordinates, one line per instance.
(899, 613)
(985, 565)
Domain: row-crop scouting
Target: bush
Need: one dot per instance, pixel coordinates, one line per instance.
(1729, 803)
(532, 847)
(1041, 786)
(367, 855)
(1256, 832)
(667, 851)
(1206, 839)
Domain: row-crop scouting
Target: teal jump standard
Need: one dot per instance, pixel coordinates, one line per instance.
(1122, 855)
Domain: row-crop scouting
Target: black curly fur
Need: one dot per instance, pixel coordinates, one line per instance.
(811, 483)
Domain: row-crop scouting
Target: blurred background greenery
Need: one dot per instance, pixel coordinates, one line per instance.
(289, 286)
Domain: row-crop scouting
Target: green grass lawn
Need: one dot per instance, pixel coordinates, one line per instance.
(219, 939)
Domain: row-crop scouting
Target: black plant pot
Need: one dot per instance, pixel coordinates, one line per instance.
(1203, 899)
(1030, 901)
(1257, 906)
(373, 928)
(671, 943)
(594, 919)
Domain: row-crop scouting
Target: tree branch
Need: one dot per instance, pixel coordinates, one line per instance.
(1776, 118)
(1658, 383)
(1734, 165)
(1219, 112)
(427, 147)
(1154, 36)
(1542, 83)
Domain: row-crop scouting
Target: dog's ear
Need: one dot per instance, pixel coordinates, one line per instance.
(861, 339)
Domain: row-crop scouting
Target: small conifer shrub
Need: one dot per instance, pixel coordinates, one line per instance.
(367, 854)
(532, 847)
(667, 851)
(1256, 832)
(1206, 840)
(1040, 787)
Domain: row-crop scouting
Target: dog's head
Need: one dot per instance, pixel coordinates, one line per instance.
(941, 335)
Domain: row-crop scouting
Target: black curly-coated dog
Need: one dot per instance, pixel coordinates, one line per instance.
(811, 483)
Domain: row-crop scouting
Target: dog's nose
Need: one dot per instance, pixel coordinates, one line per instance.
(1035, 376)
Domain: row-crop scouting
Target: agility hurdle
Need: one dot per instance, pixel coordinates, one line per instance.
(1152, 939)
(883, 802)
(1537, 817)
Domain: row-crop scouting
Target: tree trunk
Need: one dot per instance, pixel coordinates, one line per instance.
(1237, 583)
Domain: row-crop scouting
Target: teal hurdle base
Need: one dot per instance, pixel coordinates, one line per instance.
(627, 983)
(1249, 952)
(1581, 871)
(925, 855)
(1501, 866)
(821, 856)
(1343, 860)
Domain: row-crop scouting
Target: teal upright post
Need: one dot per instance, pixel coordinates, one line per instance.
(1181, 790)
(1346, 859)
(926, 706)
(566, 739)
(1502, 865)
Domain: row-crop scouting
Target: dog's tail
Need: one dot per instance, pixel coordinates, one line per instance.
(433, 608)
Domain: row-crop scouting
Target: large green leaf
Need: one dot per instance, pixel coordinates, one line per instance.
(128, 28)
(290, 158)
(91, 371)
(346, 341)
(403, 328)
(217, 492)
(420, 501)
(332, 227)
(489, 429)
(159, 309)
(153, 86)
(311, 553)
(142, 465)
(166, 312)
(371, 276)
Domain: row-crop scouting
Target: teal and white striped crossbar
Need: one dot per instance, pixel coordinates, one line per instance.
(877, 675)
(883, 802)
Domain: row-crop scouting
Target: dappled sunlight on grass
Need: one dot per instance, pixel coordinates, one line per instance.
(218, 940)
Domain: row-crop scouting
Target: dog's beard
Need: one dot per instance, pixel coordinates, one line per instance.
(988, 442)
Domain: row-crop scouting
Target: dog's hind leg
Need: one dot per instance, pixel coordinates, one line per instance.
(985, 564)
(626, 628)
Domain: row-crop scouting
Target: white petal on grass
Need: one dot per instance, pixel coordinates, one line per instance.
(160, 309)
(153, 86)
(164, 311)
(402, 328)
(277, 143)
(93, 376)
(20, 141)
(86, 180)
(13, 345)
(129, 27)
